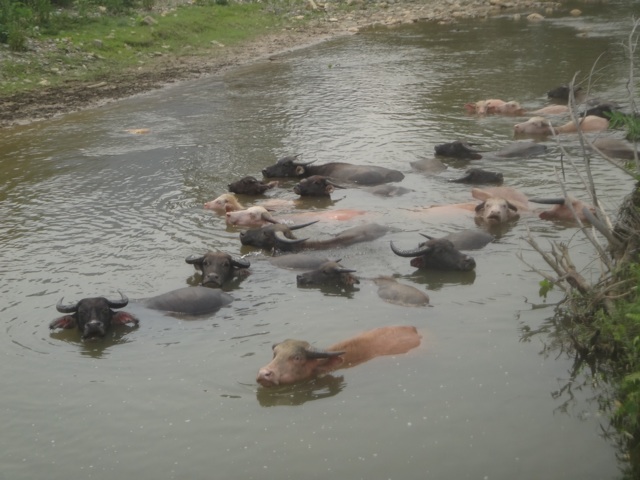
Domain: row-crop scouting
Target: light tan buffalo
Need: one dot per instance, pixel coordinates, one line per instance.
(494, 106)
(250, 217)
(297, 361)
(542, 126)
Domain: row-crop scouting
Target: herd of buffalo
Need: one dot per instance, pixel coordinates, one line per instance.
(295, 360)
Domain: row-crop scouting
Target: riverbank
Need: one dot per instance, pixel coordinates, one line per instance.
(301, 25)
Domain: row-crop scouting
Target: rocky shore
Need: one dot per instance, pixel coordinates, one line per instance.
(47, 102)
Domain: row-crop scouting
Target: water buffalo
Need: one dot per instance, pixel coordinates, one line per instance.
(93, 316)
(250, 186)
(437, 254)
(217, 267)
(478, 176)
(297, 361)
(298, 261)
(458, 149)
(551, 110)
(561, 211)
(542, 126)
(315, 186)
(388, 190)
(392, 291)
(616, 148)
(250, 217)
(360, 174)
(499, 205)
(494, 105)
(329, 273)
(192, 301)
(281, 237)
(563, 92)
(224, 203)
(469, 239)
(521, 150)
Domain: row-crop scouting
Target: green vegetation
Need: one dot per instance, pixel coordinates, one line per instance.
(89, 41)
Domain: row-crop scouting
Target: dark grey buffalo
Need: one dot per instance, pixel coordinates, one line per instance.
(360, 174)
(524, 149)
(218, 267)
(562, 92)
(281, 237)
(191, 301)
(250, 186)
(437, 254)
(458, 149)
(298, 261)
(93, 317)
(468, 239)
(329, 273)
(478, 176)
(315, 186)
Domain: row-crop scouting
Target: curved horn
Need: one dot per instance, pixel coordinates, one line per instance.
(194, 259)
(280, 238)
(426, 236)
(69, 308)
(321, 353)
(548, 201)
(302, 225)
(240, 263)
(345, 270)
(410, 253)
(120, 303)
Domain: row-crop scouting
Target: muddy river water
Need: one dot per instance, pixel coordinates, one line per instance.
(87, 209)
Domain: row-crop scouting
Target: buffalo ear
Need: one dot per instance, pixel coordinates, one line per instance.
(329, 364)
(300, 170)
(512, 206)
(479, 207)
(68, 321)
(122, 318)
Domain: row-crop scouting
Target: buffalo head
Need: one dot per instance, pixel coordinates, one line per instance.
(93, 316)
(296, 361)
(250, 186)
(437, 254)
(286, 167)
(329, 273)
(276, 236)
(457, 149)
(217, 267)
(315, 186)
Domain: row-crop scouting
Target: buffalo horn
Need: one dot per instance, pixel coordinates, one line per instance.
(69, 308)
(120, 303)
(267, 217)
(282, 239)
(426, 236)
(312, 354)
(302, 225)
(194, 259)
(345, 270)
(410, 253)
(240, 263)
(548, 201)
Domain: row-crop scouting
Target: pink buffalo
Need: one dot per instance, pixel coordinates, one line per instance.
(542, 126)
(297, 361)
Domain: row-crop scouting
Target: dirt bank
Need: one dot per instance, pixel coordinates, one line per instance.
(47, 102)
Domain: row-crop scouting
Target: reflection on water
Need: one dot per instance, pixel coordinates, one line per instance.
(88, 208)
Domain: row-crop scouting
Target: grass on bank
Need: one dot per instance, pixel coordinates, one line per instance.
(92, 45)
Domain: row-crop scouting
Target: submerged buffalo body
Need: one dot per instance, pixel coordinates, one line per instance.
(281, 237)
(561, 210)
(360, 174)
(437, 254)
(329, 273)
(190, 301)
(250, 186)
(93, 316)
(297, 361)
(392, 291)
(217, 268)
